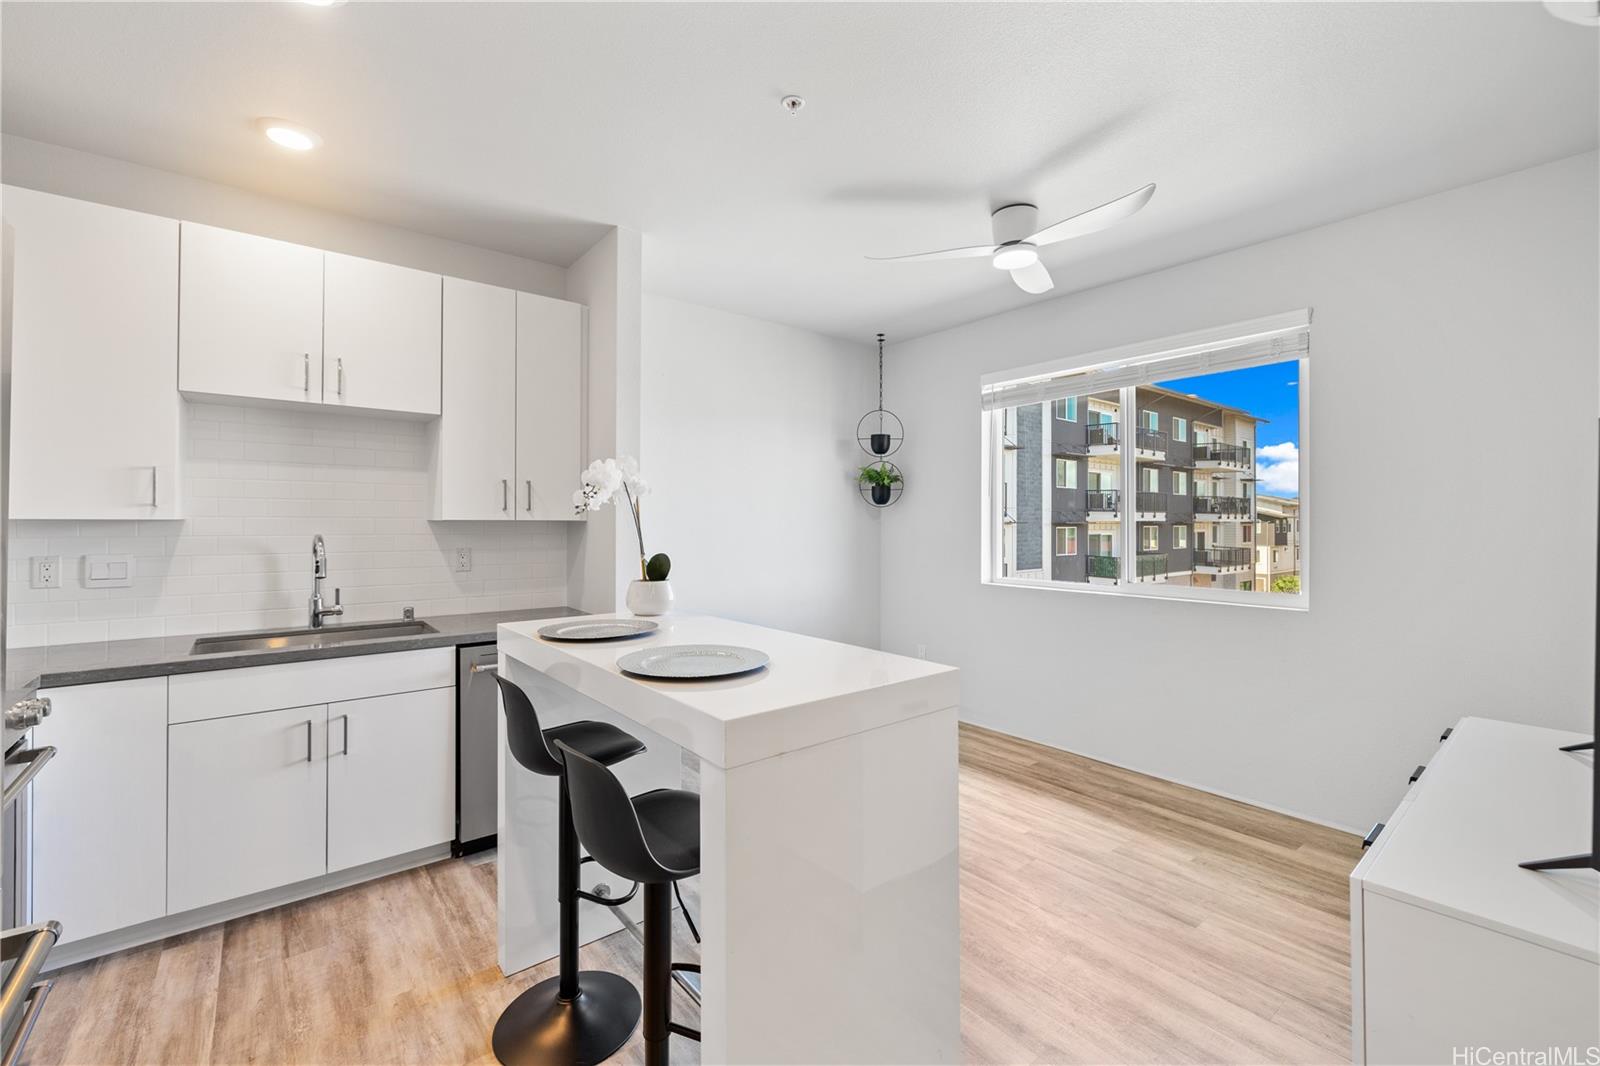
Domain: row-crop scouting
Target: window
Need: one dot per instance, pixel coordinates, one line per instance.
(1236, 396)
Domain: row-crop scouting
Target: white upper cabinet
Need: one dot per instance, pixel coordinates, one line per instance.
(475, 465)
(94, 344)
(381, 336)
(550, 340)
(250, 318)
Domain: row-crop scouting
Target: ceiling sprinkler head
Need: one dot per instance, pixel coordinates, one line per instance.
(792, 104)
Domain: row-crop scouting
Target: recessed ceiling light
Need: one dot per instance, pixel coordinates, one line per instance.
(1582, 12)
(288, 135)
(323, 3)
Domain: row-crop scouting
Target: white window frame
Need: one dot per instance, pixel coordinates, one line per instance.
(1180, 531)
(1184, 474)
(1180, 429)
(1213, 339)
(1070, 467)
(1070, 541)
(1150, 527)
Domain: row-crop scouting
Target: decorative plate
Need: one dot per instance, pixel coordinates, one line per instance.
(585, 631)
(692, 662)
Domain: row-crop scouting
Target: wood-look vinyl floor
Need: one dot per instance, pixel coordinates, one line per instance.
(1106, 917)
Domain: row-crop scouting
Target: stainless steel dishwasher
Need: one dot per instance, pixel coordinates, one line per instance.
(477, 742)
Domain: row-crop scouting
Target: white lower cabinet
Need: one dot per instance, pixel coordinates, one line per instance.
(391, 776)
(248, 804)
(100, 807)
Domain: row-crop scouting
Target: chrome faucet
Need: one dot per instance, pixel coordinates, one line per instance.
(319, 570)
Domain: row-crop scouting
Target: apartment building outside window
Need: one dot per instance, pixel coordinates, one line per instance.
(1220, 419)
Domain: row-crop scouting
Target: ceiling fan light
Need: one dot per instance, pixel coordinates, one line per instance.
(1015, 256)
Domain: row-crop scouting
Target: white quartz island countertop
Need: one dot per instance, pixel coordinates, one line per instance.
(828, 893)
(812, 691)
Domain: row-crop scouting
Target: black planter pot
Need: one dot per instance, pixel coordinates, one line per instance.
(880, 494)
(879, 443)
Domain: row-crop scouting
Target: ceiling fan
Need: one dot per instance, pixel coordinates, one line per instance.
(1018, 238)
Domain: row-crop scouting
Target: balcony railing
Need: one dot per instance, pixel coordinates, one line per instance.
(1222, 557)
(1152, 564)
(1152, 502)
(1218, 452)
(1151, 440)
(1101, 434)
(1105, 566)
(1222, 507)
(1103, 500)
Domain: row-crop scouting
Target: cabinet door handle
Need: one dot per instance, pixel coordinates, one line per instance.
(306, 383)
(504, 488)
(341, 378)
(308, 740)
(530, 497)
(155, 496)
(344, 734)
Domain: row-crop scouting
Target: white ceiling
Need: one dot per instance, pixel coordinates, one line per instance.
(520, 127)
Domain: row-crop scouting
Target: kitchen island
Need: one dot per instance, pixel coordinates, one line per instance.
(828, 885)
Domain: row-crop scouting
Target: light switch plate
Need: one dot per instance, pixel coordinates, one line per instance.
(463, 560)
(44, 572)
(107, 571)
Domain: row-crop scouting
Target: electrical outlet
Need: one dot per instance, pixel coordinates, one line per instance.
(922, 651)
(46, 572)
(463, 560)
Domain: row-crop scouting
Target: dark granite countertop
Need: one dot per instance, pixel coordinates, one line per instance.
(31, 669)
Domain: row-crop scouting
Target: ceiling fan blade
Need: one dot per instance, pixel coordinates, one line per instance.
(974, 252)
(1035, 279)
(1096, 218)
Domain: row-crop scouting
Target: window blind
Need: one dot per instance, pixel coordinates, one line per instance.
(1242, 344)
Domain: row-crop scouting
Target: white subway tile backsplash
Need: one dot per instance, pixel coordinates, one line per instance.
(258, 483)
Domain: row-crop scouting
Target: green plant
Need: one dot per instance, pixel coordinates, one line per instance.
(880, 474)
(658, 567)
(1286, 583)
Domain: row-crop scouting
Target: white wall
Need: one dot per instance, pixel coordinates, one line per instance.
(1422, 312)
(68, 172)
(749, 447)
(603, 556)
(259, 482)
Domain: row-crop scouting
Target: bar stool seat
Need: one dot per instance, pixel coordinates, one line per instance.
(601, 741)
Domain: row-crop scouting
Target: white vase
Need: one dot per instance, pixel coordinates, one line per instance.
(647, 598)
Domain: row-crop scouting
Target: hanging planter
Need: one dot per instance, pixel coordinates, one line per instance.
(880, 483)
(880, 431)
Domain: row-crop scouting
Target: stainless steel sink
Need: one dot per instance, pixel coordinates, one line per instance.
(327, 636)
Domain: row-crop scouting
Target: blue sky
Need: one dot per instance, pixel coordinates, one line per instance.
(1271, 392)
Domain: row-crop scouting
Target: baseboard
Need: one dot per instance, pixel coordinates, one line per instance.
(78, 951)
(1246, 800)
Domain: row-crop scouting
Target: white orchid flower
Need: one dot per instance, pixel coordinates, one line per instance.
(600, 482)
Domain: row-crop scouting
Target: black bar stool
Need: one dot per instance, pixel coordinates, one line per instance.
(654, 839)
(572, 1019)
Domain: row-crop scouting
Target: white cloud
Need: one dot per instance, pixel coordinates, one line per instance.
(1278, 469)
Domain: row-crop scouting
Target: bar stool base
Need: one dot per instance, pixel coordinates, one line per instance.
(538, 1028)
